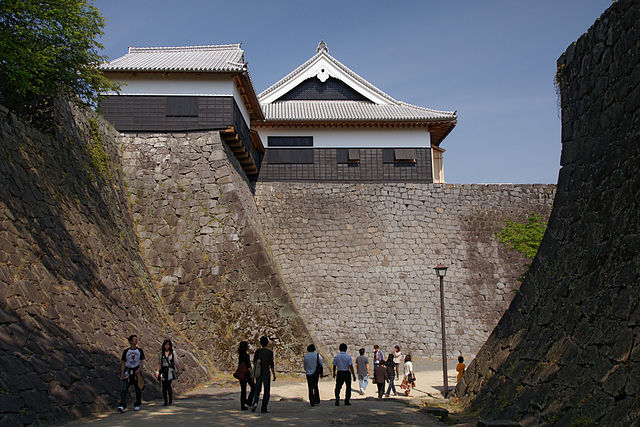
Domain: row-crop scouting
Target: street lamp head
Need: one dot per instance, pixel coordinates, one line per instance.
(441, 270)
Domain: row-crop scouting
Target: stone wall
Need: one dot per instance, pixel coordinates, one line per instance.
(199, 232)
(73, 285)
(359, 258)
(567, 352)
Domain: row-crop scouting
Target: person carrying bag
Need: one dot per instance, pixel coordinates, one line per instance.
(314, 369)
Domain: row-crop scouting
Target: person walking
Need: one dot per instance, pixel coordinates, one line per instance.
(397, 359)
(131, 373)
(409, 380)
(391, 372)
(380, 377)
(313, 367)
(263, 363)
(460, 368)
(342, 365)
(377, 355)
(167, 371)
(362, 368)
(243, 374)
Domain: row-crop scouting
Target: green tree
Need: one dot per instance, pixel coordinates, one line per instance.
(523, 237)
(49, 49)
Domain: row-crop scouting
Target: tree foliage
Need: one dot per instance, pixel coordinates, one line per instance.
(48, 49)
(523, 237)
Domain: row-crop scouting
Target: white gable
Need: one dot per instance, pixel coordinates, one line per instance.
(322, 66)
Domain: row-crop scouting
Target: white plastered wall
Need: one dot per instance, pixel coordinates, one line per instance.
(354, 137)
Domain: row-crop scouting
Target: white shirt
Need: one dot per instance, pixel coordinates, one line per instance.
(132, 358)
(342, 361)
(311, 362)
(408, 367)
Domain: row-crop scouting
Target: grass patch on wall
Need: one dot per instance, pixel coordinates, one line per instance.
(97, 153)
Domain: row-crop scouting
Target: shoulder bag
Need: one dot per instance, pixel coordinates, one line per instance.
(319, 370)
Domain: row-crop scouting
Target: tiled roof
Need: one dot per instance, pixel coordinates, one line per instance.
(342, 111)
(350, 111)
(212, 58)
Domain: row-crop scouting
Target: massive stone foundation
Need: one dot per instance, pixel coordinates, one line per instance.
(199, 234)
(567, 351)
(358, 258)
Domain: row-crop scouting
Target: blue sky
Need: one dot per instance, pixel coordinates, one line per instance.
(493, 61)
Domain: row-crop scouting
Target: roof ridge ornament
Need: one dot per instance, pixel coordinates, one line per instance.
(322, 47)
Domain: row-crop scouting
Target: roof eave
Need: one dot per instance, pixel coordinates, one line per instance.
(248, 92)
(371, 122)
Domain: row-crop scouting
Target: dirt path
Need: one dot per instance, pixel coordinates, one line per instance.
(289, 406)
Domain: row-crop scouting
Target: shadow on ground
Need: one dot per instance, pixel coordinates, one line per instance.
(223, 409)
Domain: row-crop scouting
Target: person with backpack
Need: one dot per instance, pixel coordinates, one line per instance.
(243, 375)
(313, 367)
(131, 373)
(263, 363)
(167, 371)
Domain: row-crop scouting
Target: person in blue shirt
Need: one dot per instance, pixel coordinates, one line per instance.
(313, 361)
(377, 355)
(342, 365)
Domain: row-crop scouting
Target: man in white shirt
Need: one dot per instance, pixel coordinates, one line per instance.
(131, 373)
(311, 362)
(342, 363)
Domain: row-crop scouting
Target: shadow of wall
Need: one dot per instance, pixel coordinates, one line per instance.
(568, 348)
(72, 283)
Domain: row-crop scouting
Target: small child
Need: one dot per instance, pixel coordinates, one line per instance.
(460, 368)
(380, 377)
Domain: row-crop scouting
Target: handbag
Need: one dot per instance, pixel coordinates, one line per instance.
(242, 372)
(412, 377)
(257, 369)
(319, 369)
(173, 373)
(169, 373)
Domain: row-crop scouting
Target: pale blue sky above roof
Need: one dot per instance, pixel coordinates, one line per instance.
(492, 61)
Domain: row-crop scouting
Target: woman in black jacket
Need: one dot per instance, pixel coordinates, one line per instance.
(243, 358)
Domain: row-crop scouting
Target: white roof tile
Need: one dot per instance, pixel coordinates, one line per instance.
(350, 111)
(212, 58)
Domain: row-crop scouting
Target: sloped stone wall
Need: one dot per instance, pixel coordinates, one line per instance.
(73, 285)
(567, 352)
(359, 258)
(199, 232)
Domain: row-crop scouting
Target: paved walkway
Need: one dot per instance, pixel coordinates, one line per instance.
(215, 405)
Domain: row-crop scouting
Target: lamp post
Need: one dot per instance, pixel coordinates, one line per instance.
(441, 271)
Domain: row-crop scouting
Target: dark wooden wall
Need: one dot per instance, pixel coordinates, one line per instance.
(137, 113)
(331, 164)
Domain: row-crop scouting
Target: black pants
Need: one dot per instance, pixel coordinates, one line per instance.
(167, 392)
(243, 392)
(314, 393)
(380, 389)
(125, 388)
(343, 377)
(260, 381)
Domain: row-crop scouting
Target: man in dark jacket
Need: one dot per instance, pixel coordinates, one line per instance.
(380, 376)
(263, 360)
